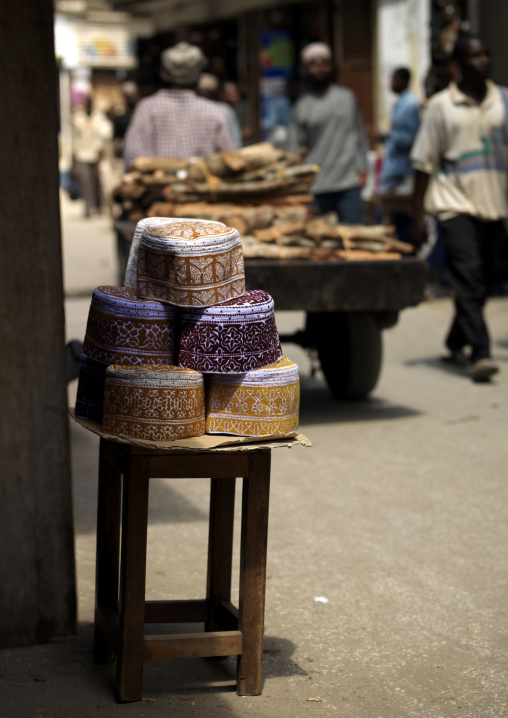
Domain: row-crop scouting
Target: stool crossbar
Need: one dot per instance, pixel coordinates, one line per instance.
(121, 610)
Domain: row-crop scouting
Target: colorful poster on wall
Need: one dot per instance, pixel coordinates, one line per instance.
(277, 53)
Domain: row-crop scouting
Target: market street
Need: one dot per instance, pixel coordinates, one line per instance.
(388, 545)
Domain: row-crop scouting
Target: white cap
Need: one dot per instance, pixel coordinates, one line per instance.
(316, 51)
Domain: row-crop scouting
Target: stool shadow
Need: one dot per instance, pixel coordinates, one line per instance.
(318, 406)
(178, 678)
(202, 676)
(277, 660)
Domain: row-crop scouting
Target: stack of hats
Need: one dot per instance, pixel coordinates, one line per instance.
(125, 330)
(148, 346)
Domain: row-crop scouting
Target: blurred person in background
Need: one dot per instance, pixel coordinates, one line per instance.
(122, 120)
(461, 177)
(175, 122)
(229, 97)
(397, 169)
(397, 173)
(92, 134)
(328, 122)
(279, 114)
(243, 109)
(210, 87)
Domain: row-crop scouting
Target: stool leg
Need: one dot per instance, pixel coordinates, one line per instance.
(256, 490)
(107, 555)
(131, 640)
(220, 548)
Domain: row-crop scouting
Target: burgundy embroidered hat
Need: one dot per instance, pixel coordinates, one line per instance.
(123, 329)
(230, 338)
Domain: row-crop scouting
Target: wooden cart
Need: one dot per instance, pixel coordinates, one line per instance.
(348, 304)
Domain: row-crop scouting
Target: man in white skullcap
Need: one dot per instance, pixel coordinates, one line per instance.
(328, 122)
(175, 122)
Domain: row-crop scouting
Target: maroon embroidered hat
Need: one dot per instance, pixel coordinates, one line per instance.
(230, 338)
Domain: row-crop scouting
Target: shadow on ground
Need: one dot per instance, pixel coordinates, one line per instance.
(54, 679)
(318, 406)
(440, 364)
(196, 676)
(501, 343)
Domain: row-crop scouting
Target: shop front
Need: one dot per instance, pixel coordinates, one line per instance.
(259, 49)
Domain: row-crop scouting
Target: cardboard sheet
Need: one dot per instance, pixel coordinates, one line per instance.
(203, 443)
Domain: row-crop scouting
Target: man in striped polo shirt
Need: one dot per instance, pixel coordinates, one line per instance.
(461, 177)
(175, 122)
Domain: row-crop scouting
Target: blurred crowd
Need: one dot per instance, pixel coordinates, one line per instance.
(438, 174)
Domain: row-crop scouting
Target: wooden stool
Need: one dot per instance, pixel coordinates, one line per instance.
(120, 607)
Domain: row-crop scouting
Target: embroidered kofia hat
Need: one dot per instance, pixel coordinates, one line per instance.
(131, 273)
(90, 394)
(191, 263)
(123, 329)
(156, 402)
(230, 338)
(264, 402)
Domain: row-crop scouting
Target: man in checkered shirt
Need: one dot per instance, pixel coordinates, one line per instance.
(175, 122)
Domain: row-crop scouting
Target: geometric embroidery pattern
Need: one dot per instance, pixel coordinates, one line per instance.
(264, 402)
(190, 263)
(123, 329)
(230, 338)
(190, 229)
(154, 402)
(131, 272)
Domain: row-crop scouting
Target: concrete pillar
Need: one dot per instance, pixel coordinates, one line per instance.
(37, 578)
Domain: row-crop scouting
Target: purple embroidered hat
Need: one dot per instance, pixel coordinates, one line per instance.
(90, 395)
(230, 338)
(123, 329)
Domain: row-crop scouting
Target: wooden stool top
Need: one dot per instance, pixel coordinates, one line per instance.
(207, 443)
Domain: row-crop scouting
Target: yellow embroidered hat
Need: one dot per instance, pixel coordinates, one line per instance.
(264, 402)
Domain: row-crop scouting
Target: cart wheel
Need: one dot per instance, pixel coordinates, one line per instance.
(349, 347)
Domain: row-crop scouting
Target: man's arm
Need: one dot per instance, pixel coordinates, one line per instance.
(425, 156)
(362, 145)
(297, 137)
(403, 134)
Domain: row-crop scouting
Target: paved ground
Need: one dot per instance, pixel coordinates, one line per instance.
(396, 521)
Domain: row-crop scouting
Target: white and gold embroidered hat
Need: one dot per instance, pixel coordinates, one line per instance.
(190, 263)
